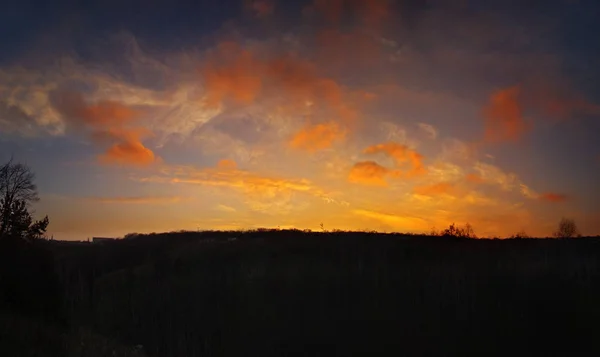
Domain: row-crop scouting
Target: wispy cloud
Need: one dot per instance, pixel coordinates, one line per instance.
(428, 129)
(490, 174)
(262, 191)
(493, 174)
(137, 199)
(225, 208)
(25, 106)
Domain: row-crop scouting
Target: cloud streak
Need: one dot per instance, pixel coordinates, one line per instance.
(428, 129)
(261, 190)
(138, 200)
(394, 221)
(553, 197)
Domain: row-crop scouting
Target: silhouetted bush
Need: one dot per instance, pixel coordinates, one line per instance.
(566, 229)
(459, 232)
(520, 235)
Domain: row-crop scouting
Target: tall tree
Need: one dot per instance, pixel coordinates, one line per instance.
(17, 192)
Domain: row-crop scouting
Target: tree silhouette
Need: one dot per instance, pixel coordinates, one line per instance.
(566, 229)
(459, 232)
(32, 314)
(17, 192)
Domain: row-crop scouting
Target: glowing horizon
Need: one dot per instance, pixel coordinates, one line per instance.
(357, 114)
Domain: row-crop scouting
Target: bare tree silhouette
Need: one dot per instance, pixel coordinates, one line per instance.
(17, 192)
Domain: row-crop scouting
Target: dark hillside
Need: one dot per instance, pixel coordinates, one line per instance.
(291, 293)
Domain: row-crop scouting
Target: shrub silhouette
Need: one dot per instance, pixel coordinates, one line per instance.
(566, 229)
(520, 235)
(459, 232)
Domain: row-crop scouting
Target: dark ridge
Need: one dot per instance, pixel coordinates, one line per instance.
(300, 293)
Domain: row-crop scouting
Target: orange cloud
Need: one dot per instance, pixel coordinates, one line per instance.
(474, 178)
(317, 137)
(504, 112)
(128, 152)
(368, 173)
(231, 73)
(553, 197)
(372, 173)
(236, 75)
(298, 80)
(401, 154)
(504, 116)
(109, 122)
(227, 164)
(434, 190)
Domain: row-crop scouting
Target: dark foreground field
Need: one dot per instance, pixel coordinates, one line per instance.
(288, 293)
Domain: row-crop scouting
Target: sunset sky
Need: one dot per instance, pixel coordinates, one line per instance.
(142, 116)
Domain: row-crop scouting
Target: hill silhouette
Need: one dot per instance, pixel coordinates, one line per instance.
(295, 293)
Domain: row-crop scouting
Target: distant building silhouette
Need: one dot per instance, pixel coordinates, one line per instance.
(101, 240)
